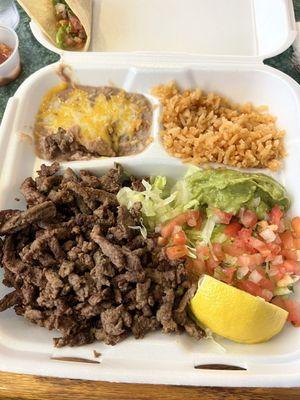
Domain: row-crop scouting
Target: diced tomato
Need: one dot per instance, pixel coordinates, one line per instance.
(296, 226)
(223, 217)
(242, 241)
(259, 245)
(232, 250)
(228, 274)
(265, 283)
(190, 218)
(176, 252)
(287, 240)
(297, 243)
(282, 226)
(288, 267)
(211, 264)
(245, 234)
(196, 266)
(274, 248)
(291, 266)
(162, 241)
(278, 240)
(277, 277)
(250, 287)
(202, 251)
(179, 238)
(255, 290)
(244, 246)
(76, 24)
(232, 229)
(291, 306)
(289, 254)
(193, 218)
(278, 301)
(293, 309)
(167, 230)
(249, 218)
(275, 251)
(275, 215)
(218, 251)
(250, 260)
(282, 269)
(267, 294)
(277, 260)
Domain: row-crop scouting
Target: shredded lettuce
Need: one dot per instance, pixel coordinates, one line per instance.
(158, 204)
(141, 228)
(204, 190)
(208, 228)
(218, 235)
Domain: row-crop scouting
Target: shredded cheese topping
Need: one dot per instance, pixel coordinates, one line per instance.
(105, 118)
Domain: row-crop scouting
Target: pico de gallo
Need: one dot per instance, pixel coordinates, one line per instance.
(261, 257)
(230, 225)
(5, 52)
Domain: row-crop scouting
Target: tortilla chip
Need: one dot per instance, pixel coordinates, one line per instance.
(42, 13)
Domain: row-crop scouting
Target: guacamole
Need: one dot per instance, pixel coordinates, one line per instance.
(230, 190)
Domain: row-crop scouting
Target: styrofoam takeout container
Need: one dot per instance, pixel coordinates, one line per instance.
(219, 46)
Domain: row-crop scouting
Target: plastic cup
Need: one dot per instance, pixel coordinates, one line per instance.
(4, 4)
(11, 68)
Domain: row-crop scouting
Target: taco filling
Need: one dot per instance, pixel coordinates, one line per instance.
(70, 32)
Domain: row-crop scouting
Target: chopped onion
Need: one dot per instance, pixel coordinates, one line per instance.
(263, 225)
(281, 227)
(295, 278)
(241, 213)
(282, 291)
(277, 261)
(273, 271)
(268, 235)
(285, 281)
(192, 252)
(267, 294)
(230, 260)
(177, 229)
(273, 227)
(60, 8)
(256, 202)
(241, 272)
(255, 276)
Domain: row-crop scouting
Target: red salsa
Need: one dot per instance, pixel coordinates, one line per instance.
(5, 52)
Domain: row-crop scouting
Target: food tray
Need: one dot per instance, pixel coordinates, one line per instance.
(158, 358)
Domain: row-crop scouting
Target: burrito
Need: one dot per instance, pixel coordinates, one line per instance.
(67, 23)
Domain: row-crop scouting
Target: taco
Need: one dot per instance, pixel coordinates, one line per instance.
(67, 23)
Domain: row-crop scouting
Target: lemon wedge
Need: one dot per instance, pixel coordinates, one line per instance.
(235, 314)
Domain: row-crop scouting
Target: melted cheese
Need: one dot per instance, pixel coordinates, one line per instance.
(103, 118)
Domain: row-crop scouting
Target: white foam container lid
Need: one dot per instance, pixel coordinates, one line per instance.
(213, 44)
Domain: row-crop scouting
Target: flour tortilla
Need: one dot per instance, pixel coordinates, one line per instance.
(42, 13)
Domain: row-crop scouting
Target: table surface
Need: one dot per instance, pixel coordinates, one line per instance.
(13, 386)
